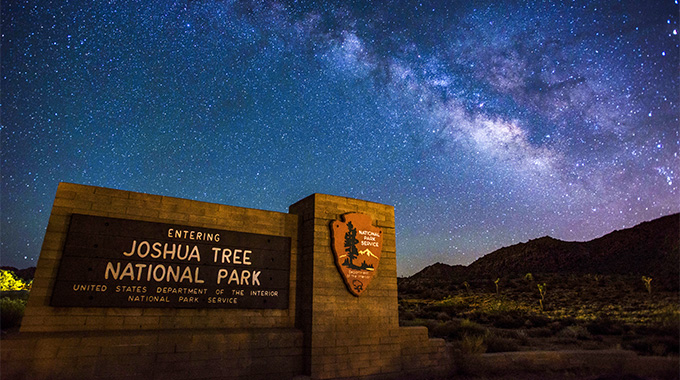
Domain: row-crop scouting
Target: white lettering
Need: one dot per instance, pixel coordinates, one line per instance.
(196, 279)
(155, 273)
(222, 274)
(128, 271)
(186, 275)
(193, 235)
(234, 277)
(194, 254)
(156, 248)
(167, 252)
(139, 271)
(174, 273)
(109, 269)
(132, 250)
(147, 248)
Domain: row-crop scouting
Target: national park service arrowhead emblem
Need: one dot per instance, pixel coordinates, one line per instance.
(357, 246)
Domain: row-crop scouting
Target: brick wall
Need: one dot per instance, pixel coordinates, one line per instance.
(345, 335)
(167, 355)
(325, 333)
(72, 198)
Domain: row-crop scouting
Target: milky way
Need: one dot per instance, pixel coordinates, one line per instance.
(484, 123)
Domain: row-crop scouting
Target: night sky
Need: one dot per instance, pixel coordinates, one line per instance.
(484, 124)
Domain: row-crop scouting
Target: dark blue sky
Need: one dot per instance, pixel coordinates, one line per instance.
(484, 123)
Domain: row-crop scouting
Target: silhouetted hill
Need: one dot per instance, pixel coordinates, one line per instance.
(439, 270)
(650, 248)
(545, 255)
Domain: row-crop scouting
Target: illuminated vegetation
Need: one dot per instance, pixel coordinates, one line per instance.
(9, 281)
(13, 300)
(648, 283)
(584, 312)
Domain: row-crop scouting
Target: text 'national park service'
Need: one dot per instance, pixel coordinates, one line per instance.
(126, 263)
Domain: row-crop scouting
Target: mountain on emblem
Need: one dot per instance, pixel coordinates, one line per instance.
(357, 246)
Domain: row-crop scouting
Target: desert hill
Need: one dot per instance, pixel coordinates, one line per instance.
(650, 248)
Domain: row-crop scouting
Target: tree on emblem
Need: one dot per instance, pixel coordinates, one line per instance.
(351, 246)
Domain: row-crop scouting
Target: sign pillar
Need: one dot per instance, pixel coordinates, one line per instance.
(347, 334)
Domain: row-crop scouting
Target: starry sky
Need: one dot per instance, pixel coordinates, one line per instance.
(484, 123)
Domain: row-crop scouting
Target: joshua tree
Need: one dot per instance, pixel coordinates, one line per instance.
(541, 290)
(648, 283)
(529, 277)
(496, 283)
(467, 286)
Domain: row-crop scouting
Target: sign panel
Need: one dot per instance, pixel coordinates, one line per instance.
(357, 246)
(110, 262)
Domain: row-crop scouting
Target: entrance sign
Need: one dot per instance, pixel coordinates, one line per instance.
(110, 262)
(357, 246)
(261, 303)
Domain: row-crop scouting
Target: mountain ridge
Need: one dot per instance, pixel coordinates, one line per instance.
(649, 248)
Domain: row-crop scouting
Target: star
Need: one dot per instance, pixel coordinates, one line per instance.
(483, 124)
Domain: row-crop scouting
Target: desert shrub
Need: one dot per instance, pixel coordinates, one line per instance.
(469, 328)
(472, 345)
(508, 321)
(11, 312)
(659, 329)
(568, 321)
(407, 316)
(458, 329)
(431, 325)
(540, 332)
(450, 305)
(434, 293)
(574, 332)
(443, 316)
(667, 319)
(478, 317)
(10, 281)
(15, 294)
(495, 343)
(447, 330)
(604, 326)
(653, 345)
(520, 336)
(536, 320)
(425, 313)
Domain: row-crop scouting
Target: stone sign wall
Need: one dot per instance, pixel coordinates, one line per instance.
(139, 214)
(109, 262)
(142, 286)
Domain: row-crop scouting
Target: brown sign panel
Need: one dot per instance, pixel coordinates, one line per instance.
(357, 246)
(111, 262)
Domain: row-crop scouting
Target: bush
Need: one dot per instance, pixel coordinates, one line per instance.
(508, 321)
(447, 330)
(10, 281)
(540, 332)
(574, 332)
(458, 330)
(449, 305)
(11, 312)
(496, 343)
(536, 320)
(472, 345)
(604, 326)
(657, 345)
